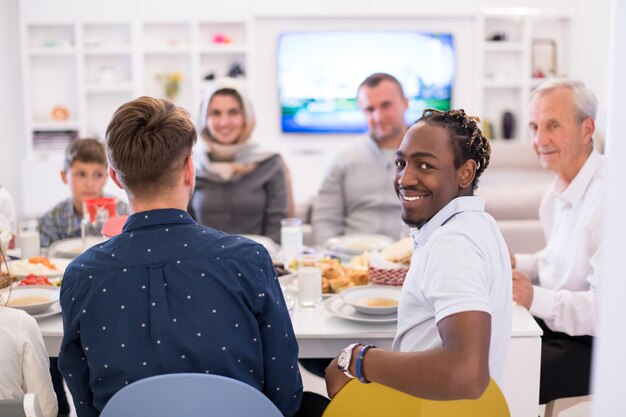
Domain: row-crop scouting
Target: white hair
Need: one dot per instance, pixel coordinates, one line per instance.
(584, 100)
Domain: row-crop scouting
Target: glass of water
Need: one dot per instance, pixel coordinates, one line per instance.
(309, 281)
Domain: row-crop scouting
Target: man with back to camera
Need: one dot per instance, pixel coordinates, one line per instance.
(559, 283)
(168, 295)
(356, 195)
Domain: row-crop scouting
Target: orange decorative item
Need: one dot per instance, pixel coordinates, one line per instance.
(60, 113)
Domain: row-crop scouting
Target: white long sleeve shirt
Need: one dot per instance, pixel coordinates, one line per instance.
(24, 365)
(568, 271)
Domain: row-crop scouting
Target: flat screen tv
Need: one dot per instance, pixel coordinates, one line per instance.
(319, 73)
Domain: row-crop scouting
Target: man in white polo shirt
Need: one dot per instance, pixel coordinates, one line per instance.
(454, 316)
(558, 284)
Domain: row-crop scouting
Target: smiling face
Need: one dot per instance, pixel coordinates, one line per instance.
(86, 180)
(225, 119)
(426, 179)
(383, 107)
(560, 139)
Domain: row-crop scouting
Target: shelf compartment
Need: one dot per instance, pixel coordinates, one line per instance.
(52, 83)
(108, 69)
(164, 37)
(106, 36)
(50, 36)
(503, 46)
(219, 65)
(108, 88)
(222, 33)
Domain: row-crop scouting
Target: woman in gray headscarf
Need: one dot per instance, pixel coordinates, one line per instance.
(240, 188)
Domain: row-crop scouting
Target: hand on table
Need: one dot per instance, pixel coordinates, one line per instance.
(522, 289)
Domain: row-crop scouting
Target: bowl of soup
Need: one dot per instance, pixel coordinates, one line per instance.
(32, 299)
(373, 299)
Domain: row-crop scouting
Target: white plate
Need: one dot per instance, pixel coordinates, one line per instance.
(356, 244)
(52, 311)
(336, 306)
(22, 268)
(71, 248)
(287, 279)
(268, 243)
(355, 296)
(49, 293)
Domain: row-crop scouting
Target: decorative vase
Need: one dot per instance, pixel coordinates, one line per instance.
(508, 125)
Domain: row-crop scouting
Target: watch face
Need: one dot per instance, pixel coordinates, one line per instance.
(343, 359)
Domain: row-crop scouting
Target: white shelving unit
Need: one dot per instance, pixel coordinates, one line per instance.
(87, 68)
(506, 55)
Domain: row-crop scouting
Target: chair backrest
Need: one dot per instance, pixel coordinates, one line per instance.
(375, 400)
(189, 395)
(26, 407)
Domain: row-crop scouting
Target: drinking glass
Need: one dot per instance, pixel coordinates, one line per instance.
(28, 239)
(309, 281)
(291, 238)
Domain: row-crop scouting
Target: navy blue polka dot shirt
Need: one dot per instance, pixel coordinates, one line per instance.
(166, 296)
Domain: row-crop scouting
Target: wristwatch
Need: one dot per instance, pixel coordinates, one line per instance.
(344, 359)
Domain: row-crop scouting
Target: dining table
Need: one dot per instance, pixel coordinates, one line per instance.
(322, 334)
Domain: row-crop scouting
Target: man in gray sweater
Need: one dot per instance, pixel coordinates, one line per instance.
(357, 195)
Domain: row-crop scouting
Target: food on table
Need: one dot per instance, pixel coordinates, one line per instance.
(27, 301)
(5, 280)
(400, 252)
(337, 277)
(33, 279)
(43, 261)
(361, 261)
(280, 269)
(378, 302)
(38, 265)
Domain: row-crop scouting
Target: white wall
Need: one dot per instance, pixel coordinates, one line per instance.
(12, 141)
(307, 155)
(609, 363)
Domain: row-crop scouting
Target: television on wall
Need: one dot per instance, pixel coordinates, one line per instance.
(319, 73)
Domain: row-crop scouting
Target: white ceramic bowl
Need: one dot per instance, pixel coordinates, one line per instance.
(33, 299)
(373, 299)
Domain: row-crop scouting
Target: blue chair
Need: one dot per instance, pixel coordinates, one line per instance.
(189, 395)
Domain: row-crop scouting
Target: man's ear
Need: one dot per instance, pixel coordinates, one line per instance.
(466, 173)
(189, 171)
(113, 176)
(63, 176)
(589, 127)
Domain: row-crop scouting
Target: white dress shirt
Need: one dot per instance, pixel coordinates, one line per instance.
(24, 366)
(460, 263)
(567, 272)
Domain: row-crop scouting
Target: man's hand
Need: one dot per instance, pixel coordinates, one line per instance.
(335, 379)
(522, 289)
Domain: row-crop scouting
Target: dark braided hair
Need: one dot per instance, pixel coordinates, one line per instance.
(466, 139)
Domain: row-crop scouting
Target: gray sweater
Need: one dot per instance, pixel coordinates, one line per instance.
(357, 196)
(252, 204)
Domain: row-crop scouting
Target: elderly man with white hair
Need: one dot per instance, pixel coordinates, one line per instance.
(559, 284)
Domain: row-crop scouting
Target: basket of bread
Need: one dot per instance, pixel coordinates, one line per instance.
(390, 265)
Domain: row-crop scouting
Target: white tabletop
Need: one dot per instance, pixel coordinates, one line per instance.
(320, 333)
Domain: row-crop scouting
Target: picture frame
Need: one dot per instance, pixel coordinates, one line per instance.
(544, 63)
